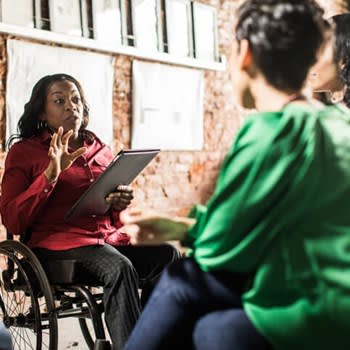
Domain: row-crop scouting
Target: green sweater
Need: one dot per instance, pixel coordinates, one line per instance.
(281, 212)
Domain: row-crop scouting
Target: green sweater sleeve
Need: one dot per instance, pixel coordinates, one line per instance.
(260, 180)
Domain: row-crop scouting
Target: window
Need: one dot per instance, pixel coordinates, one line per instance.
(205, 37)
(146, 24)
(179, 27)
(68, 17)
(184, 29)
(109, 21)
(18, 12)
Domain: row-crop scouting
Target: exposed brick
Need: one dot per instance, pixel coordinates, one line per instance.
(175, 180)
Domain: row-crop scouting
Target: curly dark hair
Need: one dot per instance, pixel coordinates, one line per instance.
(342, 51)
(28, 124)
(284, 36)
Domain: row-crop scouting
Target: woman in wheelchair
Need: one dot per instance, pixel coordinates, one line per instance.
(53, 161)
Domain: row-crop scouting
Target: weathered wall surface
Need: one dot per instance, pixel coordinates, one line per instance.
(175, 180)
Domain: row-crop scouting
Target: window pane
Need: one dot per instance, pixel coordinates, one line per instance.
(205, 32)
(19, 12)
(145, 20)
(107, 21)
(178, 27)
(65, 17)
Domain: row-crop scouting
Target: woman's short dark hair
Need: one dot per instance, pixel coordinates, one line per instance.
(284, 36)
(28, 124)
(342, 50)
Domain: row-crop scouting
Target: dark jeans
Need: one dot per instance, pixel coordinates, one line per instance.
(227, 330)
(121, 271)
(185, 302)
(5, 338)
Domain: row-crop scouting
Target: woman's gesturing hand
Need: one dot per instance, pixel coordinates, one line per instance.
(60, 158)
(121, 198)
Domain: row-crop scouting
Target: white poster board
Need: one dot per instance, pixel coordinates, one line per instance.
(167, 107)
(28, 62)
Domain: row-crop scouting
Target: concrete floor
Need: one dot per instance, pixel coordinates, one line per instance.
(70, 336)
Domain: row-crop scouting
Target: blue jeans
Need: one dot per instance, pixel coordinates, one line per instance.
(227, 330)
(5, 338)
(185, 302)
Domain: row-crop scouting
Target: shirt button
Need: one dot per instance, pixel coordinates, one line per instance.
(93, 215)
(85, 164)
(91, 180)
(46, 190)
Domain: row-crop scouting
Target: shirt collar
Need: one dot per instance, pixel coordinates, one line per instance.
(45, 137)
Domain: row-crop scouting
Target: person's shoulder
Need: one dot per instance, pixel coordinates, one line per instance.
(302, 118)
(263, 128)
(275, 121)
(276, 130)
(336, 111)
(258, 123)
(19, 151)
(22, 145)
(336, 120)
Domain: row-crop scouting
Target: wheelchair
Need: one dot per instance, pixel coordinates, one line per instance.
(34, 297)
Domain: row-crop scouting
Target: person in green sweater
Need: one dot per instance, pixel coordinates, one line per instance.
(269, 264)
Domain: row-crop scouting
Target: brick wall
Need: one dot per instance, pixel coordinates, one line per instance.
(175, 180)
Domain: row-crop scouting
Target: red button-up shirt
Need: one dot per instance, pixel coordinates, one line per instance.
(30, 202)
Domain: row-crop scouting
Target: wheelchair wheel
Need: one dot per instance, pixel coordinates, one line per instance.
(26, 301)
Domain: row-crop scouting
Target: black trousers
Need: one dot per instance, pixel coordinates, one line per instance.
(121, 271)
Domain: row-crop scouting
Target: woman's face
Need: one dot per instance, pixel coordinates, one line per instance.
(63, 106)
(324, 74)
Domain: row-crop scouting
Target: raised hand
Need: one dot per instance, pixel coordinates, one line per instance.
(60, 158)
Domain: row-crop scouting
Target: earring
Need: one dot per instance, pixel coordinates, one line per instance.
(42, 125)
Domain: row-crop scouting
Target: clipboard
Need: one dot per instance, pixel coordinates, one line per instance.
(123, 169)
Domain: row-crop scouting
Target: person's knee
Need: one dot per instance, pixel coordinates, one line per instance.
(123, 269)
(171, 252)
(230, 328)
